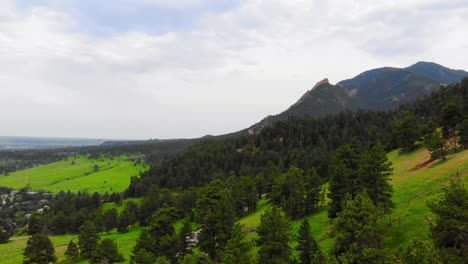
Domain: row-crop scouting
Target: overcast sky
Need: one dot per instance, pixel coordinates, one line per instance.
(186, 68)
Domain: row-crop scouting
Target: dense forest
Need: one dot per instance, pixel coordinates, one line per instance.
(296, 164)
(309, 143)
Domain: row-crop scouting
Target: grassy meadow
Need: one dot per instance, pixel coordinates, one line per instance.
(415, 181)
(76, 174)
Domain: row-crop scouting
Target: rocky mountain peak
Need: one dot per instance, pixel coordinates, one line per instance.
(324, 81)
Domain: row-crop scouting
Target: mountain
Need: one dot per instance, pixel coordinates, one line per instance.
(437, 72)
(380, 88)
(387, 87)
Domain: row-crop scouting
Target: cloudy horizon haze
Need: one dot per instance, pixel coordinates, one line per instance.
(139, 69)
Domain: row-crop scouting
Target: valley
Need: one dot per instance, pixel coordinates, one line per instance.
(413, 186)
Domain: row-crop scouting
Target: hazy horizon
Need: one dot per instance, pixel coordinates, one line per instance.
(97, 69)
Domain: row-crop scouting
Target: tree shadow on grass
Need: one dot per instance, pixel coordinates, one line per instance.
(440, 162)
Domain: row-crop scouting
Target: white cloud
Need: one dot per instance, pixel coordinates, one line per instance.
(226, 72)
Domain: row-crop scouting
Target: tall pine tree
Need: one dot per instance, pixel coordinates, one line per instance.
(357, 231)
(309, 252)
(343, 171)
(274, 237)
(374, 174)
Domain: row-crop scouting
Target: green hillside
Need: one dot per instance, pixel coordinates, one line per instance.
(415, 181)
(77, 174)
(12, 252)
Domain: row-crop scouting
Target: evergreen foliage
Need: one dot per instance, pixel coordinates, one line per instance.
(358, 232)
(450, 230)
(343, 177)
(374, 173)
(237, 250)
(217, 226)
(39, 250)
(72, 251)
(274, 237)
(106, 252)
(88, 239)
(309, 252)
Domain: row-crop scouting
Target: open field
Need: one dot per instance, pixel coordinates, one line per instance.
(414, 186)
(77, 174)
(12, 252)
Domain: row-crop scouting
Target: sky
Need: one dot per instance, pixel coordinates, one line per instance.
(139, 69)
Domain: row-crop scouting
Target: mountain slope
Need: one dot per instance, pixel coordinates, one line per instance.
(380, 88)
(415, 181)
(437, 72)
(388, 87)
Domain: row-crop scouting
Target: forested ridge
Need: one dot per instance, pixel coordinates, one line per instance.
(297, 165)
(304, 143)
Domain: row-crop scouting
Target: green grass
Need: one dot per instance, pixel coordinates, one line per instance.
(12, 252)
(413, 188)
(110, 205)
(113, 175)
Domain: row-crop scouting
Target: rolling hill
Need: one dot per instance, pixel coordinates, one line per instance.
(77, 174)
(415, 181)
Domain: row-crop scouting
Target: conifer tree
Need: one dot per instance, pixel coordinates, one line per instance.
(143, 256)
(217, 225)
(435, 143)
(72, 251)
(39, 250)
(406, 132)
(374, 175)
(236, 250)
(343, 171)
(309, 252)
(106, 252)
(88, 239)
(313, 191)
(274, 237)
(110, 219)
(162, 260)
(357, 231)
(450, 231)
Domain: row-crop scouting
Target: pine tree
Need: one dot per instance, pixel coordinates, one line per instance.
(450, 231)
(288, 191)
(159, 238)
(236, 250)
(406, 132)
(106, 252)
(217, 225)
(417, 252)
(309, 252)
(162, 260)
(343, 171)
(72, 251)
(357, 231)
(143, 256)
(39, 250)
(313, 191)
(451, 115)
(435, 143)
(110, 219)
(273, 241)
(374, 175)
(88, 239)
